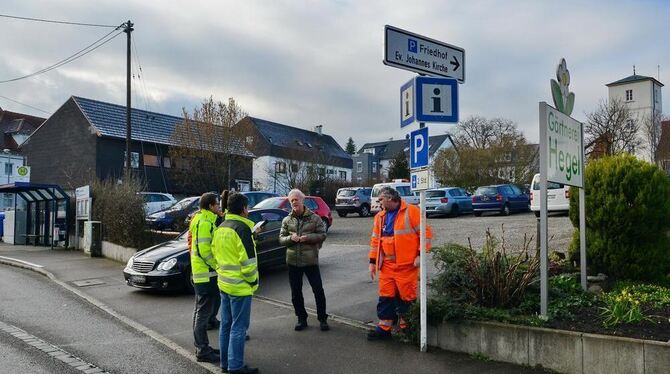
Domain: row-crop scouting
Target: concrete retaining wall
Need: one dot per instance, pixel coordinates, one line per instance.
(562, 351)
(117, 252)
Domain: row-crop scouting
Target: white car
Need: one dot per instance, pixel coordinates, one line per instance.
(558, 196)
(403, 188)
(155, 201)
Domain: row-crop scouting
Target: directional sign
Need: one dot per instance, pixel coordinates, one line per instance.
(420, 180)
(433, 100)
(418, 148)
(409, 51)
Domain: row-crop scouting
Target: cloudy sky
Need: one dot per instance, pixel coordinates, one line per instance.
(304, 63)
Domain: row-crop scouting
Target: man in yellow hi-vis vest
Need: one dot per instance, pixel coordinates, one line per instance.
(203, 268)
(235, 251)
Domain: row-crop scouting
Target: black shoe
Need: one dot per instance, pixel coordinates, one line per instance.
(245, 370)
(210, 357)
(247, 337)
(224, 370)
(324, 326)
(213, 326)
(214, 350)
(376, 335)
(301, 325)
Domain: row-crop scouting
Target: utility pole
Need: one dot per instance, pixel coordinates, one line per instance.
(128, 28)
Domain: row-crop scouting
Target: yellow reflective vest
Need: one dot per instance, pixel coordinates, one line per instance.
(203, 263)
(235, 253)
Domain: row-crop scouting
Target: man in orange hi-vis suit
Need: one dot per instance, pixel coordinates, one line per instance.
(394, 253)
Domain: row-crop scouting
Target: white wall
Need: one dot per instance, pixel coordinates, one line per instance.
(7, 199)
(263, 174)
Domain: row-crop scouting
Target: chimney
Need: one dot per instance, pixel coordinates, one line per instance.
(318, 129)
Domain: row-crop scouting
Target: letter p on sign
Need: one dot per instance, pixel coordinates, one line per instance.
(419, 148)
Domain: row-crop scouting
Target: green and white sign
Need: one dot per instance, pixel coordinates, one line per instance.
(561, 142)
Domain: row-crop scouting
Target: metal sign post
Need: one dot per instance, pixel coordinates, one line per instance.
(423, 286)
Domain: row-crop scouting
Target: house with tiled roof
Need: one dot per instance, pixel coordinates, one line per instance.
(642, 95)
(287, 156)
(86, 139)
(372, 162)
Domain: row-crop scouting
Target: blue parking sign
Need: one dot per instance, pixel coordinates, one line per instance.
(418, 148)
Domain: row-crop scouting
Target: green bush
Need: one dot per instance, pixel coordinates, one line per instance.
(627, 219)
(121, 211)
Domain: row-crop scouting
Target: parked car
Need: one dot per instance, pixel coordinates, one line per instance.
(503, 198)
(314, 203)
(167, 266)
(353, 200)
(403, 188)
(256, 197)
(447, 201)
(173, 217)
(558, 196)
(155, 201)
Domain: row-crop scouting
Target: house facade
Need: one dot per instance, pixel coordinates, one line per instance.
(643, 97)
(85, 139)
(379, 155)
(288, 157)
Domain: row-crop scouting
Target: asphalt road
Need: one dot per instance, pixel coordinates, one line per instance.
(44, 310)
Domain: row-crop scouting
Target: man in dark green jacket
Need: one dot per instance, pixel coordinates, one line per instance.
(302, 233)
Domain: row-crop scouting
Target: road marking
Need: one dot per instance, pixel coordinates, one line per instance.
(51, 350)
(21, 261)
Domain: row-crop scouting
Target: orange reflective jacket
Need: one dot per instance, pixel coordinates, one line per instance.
(406, 235)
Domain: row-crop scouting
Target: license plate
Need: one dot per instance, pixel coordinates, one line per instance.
(485, 198)
(551, 197)
(138, 279)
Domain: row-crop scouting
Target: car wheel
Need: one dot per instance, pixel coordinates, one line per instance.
(477, 214)
(341, 214)
(537, 214)
(505, 210)
(325, 223)
(454, 211)
(365, 211)
(188, 282)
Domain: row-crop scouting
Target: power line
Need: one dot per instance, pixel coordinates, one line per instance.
(20, 103)
(90, 48)
(59, 22)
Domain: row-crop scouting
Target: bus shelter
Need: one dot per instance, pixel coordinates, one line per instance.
(40, 214)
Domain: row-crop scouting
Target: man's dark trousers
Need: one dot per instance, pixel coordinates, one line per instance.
(207, 303)
(313, 274)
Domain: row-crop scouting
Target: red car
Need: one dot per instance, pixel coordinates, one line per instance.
(314, 203)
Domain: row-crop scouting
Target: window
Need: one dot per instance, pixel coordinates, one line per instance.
(134, 160)
(311, 204)
(167, 163)
(294, 168)
(629, 95)
(280, 167)
(343, 175)
(359, 167)
(455, 192)
(369, 150)
(8, 168)
(331, 171)
(374, 166)
(151, 160)
(322, 172)
(404, 190)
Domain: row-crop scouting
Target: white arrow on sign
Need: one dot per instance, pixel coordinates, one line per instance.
(409, 51)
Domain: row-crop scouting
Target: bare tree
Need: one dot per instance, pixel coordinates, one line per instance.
(651, 132)
(611, 129)
(204, 145)
(486, 152)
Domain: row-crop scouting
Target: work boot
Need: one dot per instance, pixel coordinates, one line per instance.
(245, 370)
(209, 357)
(323, 325)
(378, 334)
(301, 325)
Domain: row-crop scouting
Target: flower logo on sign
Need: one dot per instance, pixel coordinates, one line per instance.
(22, 171)
(564, 100)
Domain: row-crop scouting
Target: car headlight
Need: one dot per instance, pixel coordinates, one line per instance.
(129, 265)
(167, 265)
(159, 215)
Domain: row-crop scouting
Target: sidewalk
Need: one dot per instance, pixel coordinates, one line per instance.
(274, 346)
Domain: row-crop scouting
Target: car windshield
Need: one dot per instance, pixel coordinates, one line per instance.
(430, 194)
(550, 185)
(272, 203)
(486, 191)
(346, 193)
(375, 191)
(184, 203)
